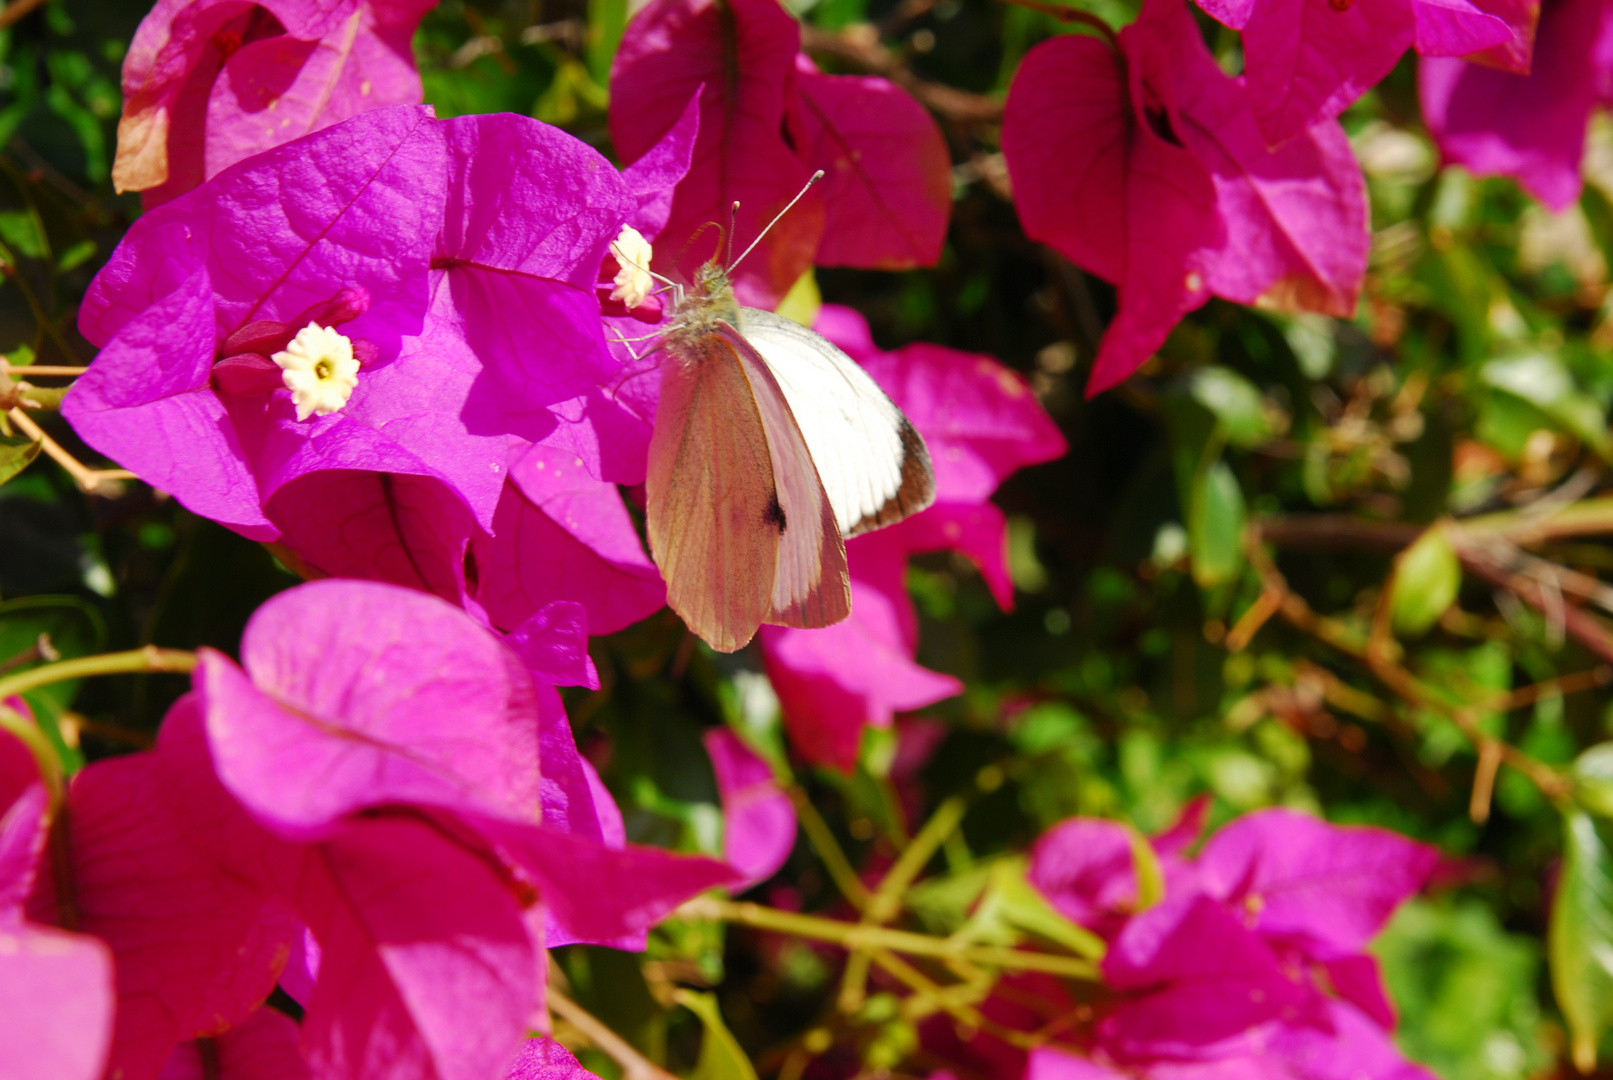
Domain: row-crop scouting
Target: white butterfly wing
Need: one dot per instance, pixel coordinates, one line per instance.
(873, 464)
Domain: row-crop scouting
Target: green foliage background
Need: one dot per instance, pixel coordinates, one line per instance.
(1466, 404)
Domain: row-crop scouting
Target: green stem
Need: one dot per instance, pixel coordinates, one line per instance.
(887, 898)
(50, 765)
(860, 936)
(149, 658)
(834, 860)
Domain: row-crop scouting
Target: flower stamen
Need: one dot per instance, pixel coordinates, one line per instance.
(319, 369)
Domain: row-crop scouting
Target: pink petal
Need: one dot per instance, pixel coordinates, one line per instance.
(1104, 189)
(545, 1059)
(1517, 54)
(173, 54)
(1045, 1063)
(1084, 868)
(1068, 140)
(169, 872)
(264, 1046)
(980, 420)
(1306, 61)
(1356, 1049)
(1204, 983)
(423, 707)
(599, 893)
(529, 199)
(888, 184)
(1458, 28)
(426, 966)
(834, 682)
(18, 769)
(22, 841)
(392, 527)
(743, 54)
(977, 530)
(1528, 127)
(654, 176)
(146, 404)
(1359, 980)
(55, 1004)
(553, 644)
(1323, 889)
(758, 820)
(1296, 217)
(562, 535)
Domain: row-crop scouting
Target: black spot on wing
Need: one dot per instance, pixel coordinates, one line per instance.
(916, 492)
(774, 514)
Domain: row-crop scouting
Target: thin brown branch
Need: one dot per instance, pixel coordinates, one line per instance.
(1396, 678)
(14, 11)
(86, 478)
(635, 1066)
(859, 47)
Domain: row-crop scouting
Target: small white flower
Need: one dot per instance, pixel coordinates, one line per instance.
(319, 370)
(632, 281)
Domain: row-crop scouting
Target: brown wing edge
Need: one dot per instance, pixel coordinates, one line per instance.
(918, 485)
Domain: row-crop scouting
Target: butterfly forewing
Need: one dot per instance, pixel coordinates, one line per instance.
(811, 587)
(714, 516)
(872, 463)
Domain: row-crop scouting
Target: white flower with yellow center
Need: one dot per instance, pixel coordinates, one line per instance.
(318, 368)
(632, 281)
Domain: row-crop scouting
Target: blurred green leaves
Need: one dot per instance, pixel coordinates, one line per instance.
(1580, 939)
(1427, 577)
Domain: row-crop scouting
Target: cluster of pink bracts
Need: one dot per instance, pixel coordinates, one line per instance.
(370, 811)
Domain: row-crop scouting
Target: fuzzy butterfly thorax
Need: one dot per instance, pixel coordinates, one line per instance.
(708, 301)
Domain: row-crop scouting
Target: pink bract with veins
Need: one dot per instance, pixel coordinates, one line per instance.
(1305, 61)
(1144, 164)
(768, 120)
(207, 83)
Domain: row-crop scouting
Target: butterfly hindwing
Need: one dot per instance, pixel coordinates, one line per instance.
(873, 464)
(811, 586)
(714, 516)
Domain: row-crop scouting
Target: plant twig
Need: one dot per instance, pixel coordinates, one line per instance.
(86, 478)
(635, 1066)
(17, 9)
(828, 848)
(1299, 614)
(859, 47)
(41, 369)
(133, 661)
(850, 935)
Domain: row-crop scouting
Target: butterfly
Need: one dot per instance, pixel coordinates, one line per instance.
(770, 448)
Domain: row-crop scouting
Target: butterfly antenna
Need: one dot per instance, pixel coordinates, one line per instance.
(815, 178)
(733, 227)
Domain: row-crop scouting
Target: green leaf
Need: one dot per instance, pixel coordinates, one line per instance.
(1579, 941)
(721, 1056)
(1544, 382)
(1150, 875)
(607, 19)
(1011, 907)
(16, 453)
(76, 256)
(1593, 780)
(72, 628)
(1215, 522)
(1466, 991)
(1236, 403)
(20, 230)
(1427, 577)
